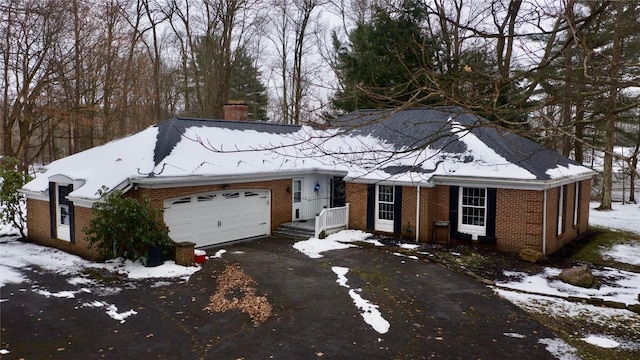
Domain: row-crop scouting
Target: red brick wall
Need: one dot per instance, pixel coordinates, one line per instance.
(518, 213)
(556, 241)
(39, 230)
(409, 196)
(408, 213)
(356, 196)
(441, 203)
(518, 219)
(38, 212)
(427, 214)
(236, 112)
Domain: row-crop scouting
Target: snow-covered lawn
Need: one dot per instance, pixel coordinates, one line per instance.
(622, 217)
(617, 285)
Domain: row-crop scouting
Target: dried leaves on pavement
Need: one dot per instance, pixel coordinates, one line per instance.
(236, 290)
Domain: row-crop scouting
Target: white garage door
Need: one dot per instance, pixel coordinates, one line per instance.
(218, 217)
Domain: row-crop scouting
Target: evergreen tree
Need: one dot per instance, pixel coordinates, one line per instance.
(246, 85)
(386, 61)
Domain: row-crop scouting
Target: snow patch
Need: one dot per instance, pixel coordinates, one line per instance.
(314, 247)
(621, 216)
(218, 254)
(112, 311)
(137, 270)
(624, 253)
(60, 294)
(514, 335)
(368, 311)
(622, 286)
(601, 341)
(560, 349)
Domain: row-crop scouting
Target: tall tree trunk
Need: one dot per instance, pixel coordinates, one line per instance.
(306, 7)
(610, 131)
(7, 123)
(74, 124)
(634, 168)
(567, 108)
(156, 61)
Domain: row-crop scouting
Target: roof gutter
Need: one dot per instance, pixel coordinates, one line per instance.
(195, 180)
(37, 195)
(425, 183)
(506, 183)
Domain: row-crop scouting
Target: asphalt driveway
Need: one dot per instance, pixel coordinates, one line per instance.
(432, 312)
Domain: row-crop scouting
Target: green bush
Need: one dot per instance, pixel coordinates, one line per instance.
(12, 203)
(125, 227)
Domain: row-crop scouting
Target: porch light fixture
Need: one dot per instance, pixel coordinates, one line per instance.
(317, 187)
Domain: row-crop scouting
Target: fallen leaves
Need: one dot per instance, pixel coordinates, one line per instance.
(236, 290)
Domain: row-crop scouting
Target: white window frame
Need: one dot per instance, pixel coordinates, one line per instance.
(576, 204)
(63, 228)
(383, 223)
(296, 183)
(297, 208)
(560, 209)
(473, 229)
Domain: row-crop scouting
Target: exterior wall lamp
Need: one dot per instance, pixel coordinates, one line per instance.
(317, 187)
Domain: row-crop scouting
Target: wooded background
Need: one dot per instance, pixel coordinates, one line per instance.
(79, 73)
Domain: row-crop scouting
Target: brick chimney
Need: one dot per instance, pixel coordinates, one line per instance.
(236, 110)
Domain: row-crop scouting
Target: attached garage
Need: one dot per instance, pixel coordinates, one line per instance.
(217, 217)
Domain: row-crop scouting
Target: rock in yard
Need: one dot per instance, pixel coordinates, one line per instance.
(532, 256)
(634, 307)
(578, 276)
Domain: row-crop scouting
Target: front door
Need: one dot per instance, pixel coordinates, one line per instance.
(296, 198)
(337, 192)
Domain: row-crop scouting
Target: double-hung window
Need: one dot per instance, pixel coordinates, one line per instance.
(473, 211)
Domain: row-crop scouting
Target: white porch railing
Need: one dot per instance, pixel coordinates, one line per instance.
(331, 219)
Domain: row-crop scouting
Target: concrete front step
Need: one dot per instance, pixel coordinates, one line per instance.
(293, 233)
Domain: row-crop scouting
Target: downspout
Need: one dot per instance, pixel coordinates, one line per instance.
(417, 213)
(544, 222)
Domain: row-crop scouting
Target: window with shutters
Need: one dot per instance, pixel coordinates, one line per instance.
(473, 211)
(63, 211)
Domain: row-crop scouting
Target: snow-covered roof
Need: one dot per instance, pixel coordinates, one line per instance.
(417, 146)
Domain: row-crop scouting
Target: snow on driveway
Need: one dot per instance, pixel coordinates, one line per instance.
(19, 258)
(618, 285)
(369, 311)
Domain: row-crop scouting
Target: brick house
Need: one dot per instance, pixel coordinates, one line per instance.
(428, 175)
